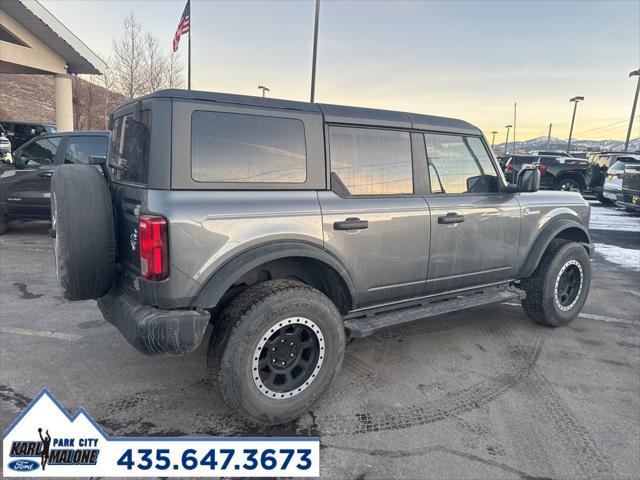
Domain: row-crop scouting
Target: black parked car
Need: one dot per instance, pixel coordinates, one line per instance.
(557, 173)
(20, 133)
(25, 185)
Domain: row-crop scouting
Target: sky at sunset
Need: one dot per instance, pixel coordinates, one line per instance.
(464, 59)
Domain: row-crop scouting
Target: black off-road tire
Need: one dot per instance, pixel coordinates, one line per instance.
(83, 230)
(250, 320)
(593, 176)
(542, 303)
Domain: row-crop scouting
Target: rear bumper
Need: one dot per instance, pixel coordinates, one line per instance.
(626, 200)
(151, 330)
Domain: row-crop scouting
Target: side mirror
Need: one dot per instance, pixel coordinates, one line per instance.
(529, 178)
(97, 160)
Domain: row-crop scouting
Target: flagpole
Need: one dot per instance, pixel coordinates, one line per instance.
(189, 53)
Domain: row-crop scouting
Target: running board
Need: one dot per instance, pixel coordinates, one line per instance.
(365, 326)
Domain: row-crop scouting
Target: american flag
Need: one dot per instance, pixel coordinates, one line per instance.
(183, 26)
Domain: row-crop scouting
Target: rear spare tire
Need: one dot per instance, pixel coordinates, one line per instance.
(83, 231)
(593, 176)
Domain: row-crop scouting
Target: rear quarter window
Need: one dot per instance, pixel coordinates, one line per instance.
(242, 148)
(128, 157)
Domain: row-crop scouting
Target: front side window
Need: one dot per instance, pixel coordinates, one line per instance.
(79, 149)
(370, 161)
(129, 149)
(40, 152)
(239, 148)
(459, 164)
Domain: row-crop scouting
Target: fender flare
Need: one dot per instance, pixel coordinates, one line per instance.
(223, 278)
(548, 233)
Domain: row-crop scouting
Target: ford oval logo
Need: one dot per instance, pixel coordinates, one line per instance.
(23, 465)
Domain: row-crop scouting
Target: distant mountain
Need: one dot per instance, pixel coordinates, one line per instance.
(557, 144)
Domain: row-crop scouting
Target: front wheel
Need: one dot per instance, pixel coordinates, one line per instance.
(558, 288)
(275, 350)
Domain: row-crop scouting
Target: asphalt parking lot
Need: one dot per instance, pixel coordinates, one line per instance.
(484, 393)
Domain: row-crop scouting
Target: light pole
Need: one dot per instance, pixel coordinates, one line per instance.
(635, 73)
(264, 90)
(493, 139)
(549, 137)
(315, 53)
(506, 142)
(575, 101)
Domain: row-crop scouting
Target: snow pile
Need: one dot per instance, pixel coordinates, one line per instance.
(610, 219)
(625, 257)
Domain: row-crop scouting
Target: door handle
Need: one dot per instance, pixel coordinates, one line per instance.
(450, 218)
(351, 223)
(48, 173)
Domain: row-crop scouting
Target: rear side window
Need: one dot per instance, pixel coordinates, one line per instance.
(371, 161)
(129, 149)
(239, 148)
(79, 149)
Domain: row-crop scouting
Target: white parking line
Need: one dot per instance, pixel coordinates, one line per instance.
(41, 333)
(592, 316)
(604, 318)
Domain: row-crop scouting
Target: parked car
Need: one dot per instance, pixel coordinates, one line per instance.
(612, 181)
(597, 172)
(558, 173)
(25, 185)
(293, 225)
(21, 132)
(5, 144)
(629, 197)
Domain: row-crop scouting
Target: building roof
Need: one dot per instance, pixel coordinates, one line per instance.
(41, 23)
(332, 113)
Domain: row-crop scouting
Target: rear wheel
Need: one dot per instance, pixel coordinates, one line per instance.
(568, 184)
(275, 350)
(558, 288)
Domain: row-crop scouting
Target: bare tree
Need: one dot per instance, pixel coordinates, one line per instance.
(175, 72)
(129, 63)
(156, 64)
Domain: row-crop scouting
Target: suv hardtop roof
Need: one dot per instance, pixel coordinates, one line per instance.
(332, 113)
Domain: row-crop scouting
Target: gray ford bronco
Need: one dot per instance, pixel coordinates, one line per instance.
(292, 226)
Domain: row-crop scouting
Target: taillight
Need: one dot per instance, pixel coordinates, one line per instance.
(509, 165)
(154, 249)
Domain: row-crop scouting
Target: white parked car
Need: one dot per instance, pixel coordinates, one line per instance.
(5, 145)
(613, 181)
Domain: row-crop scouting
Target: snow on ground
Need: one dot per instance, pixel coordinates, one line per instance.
(625, 257)
(603, 218)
